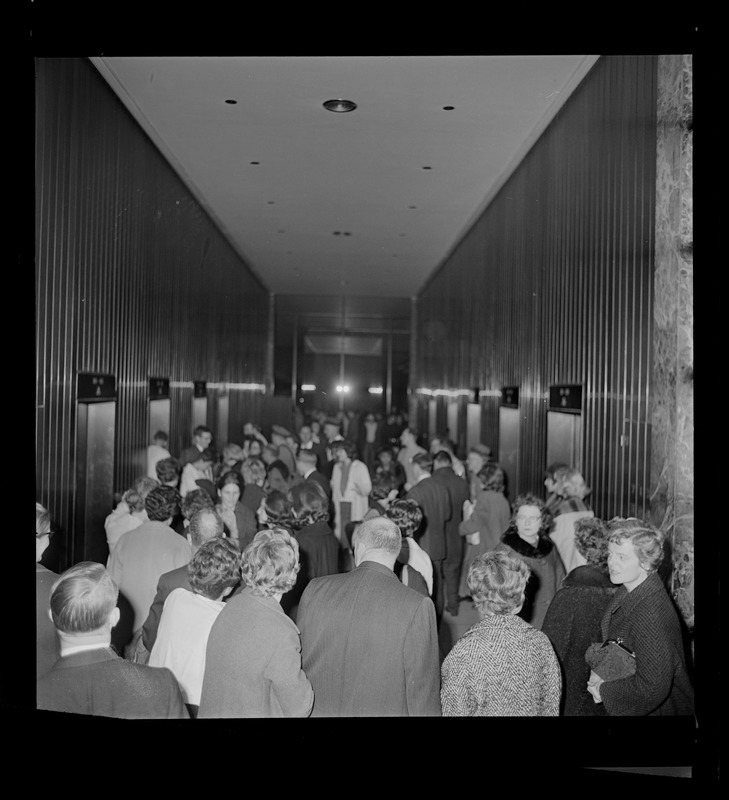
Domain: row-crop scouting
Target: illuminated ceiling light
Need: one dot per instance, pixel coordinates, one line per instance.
(345, 388)
(308, 387)
(340, 388)
(340, 106)
(375, 389)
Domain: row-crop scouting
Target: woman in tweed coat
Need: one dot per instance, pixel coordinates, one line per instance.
(501, 666)
(642, 614)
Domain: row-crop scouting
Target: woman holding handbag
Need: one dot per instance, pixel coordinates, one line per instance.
(643, 619)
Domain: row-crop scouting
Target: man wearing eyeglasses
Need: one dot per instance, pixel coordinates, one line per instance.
(47, 647)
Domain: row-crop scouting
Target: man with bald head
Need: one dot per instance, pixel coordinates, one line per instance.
(369, 643)
(204, 524)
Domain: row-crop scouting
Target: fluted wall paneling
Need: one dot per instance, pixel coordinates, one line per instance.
(132, 279)
(553, 285)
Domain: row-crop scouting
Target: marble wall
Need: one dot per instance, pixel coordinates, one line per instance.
(672, 413)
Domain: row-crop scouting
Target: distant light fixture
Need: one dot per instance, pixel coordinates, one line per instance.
(427, 167)
(375, 389)
(342, 388)
(231, 102)
(448, 108)
(340, 106)
(255, 162)
(308, 387)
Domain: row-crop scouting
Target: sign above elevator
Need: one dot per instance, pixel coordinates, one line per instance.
(200, 389)
(566, 398)
(92, 386)
(510, 396)
(159, 387)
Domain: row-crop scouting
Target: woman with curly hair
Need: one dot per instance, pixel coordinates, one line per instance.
(642, 615)
(486, 520)
(253, 657)
(276, 511)
(413, 565)
(573, 618)
(528, 537)
(501, 666)
(318, 547)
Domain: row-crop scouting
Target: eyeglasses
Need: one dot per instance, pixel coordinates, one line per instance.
(529, 520)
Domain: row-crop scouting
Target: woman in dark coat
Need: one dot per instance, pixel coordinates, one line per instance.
(642, 615)
(573, 618)
(318, 546)
(528, 538)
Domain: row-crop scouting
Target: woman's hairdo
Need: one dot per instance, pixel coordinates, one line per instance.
(530, 499)
(162, 502)
(278, 508)
(647, 540)
(195, 500)
(270, 563)
(497, 581)
(309, 502)
(591, 541)
(406, 514)
(231, 477)
(168, 469)
(281, 467)
(492, 477)
(253, 470)
(214, 567)
(344, 444)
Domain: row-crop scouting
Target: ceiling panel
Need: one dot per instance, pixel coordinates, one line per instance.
(367, 203)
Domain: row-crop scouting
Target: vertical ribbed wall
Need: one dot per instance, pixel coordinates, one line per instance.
(132, 279)
(553, 283)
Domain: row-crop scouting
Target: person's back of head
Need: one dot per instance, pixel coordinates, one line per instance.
(168, 470)
(83, 598)
(377, 539)
(214, 569)
(161, 438)
(492, 478)
(442, 459)
(573, 484)
(253, 470)
(162, 503)
(423, 462)
(205, 523)
(407, 515)
(309, 503)
(193, 501)
(591, 541)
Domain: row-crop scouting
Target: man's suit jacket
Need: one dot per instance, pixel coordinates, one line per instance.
(100, 683)
(322, 480)
(369, 645)
(458, 491)
(168, 582)
(189, 454)
(435, 501)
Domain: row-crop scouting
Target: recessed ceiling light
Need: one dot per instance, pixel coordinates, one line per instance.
(339, 106)
(427, 167)
(255, 162)
(448, 108)
(271, 202)
(231, 102)
(412, 206)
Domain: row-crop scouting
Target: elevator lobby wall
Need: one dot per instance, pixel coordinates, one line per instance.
(133, 280)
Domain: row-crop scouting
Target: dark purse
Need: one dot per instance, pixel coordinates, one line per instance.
(611, 660)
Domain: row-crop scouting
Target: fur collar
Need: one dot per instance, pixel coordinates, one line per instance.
(518, 545)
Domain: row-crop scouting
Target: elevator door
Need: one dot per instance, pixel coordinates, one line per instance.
(94, 496)
(509, 446)
(432, 417)
(453, 431)
(221, 425)
(199, 411)
(564, 438)
(473, 425)
(159, 416)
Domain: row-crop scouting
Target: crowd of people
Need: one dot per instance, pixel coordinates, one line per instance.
(307, 573)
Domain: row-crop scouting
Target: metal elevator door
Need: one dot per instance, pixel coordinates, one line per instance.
(94, 495)
(564, 438)
(509, 419)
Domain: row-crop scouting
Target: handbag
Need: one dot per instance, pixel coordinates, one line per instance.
(611, 659)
